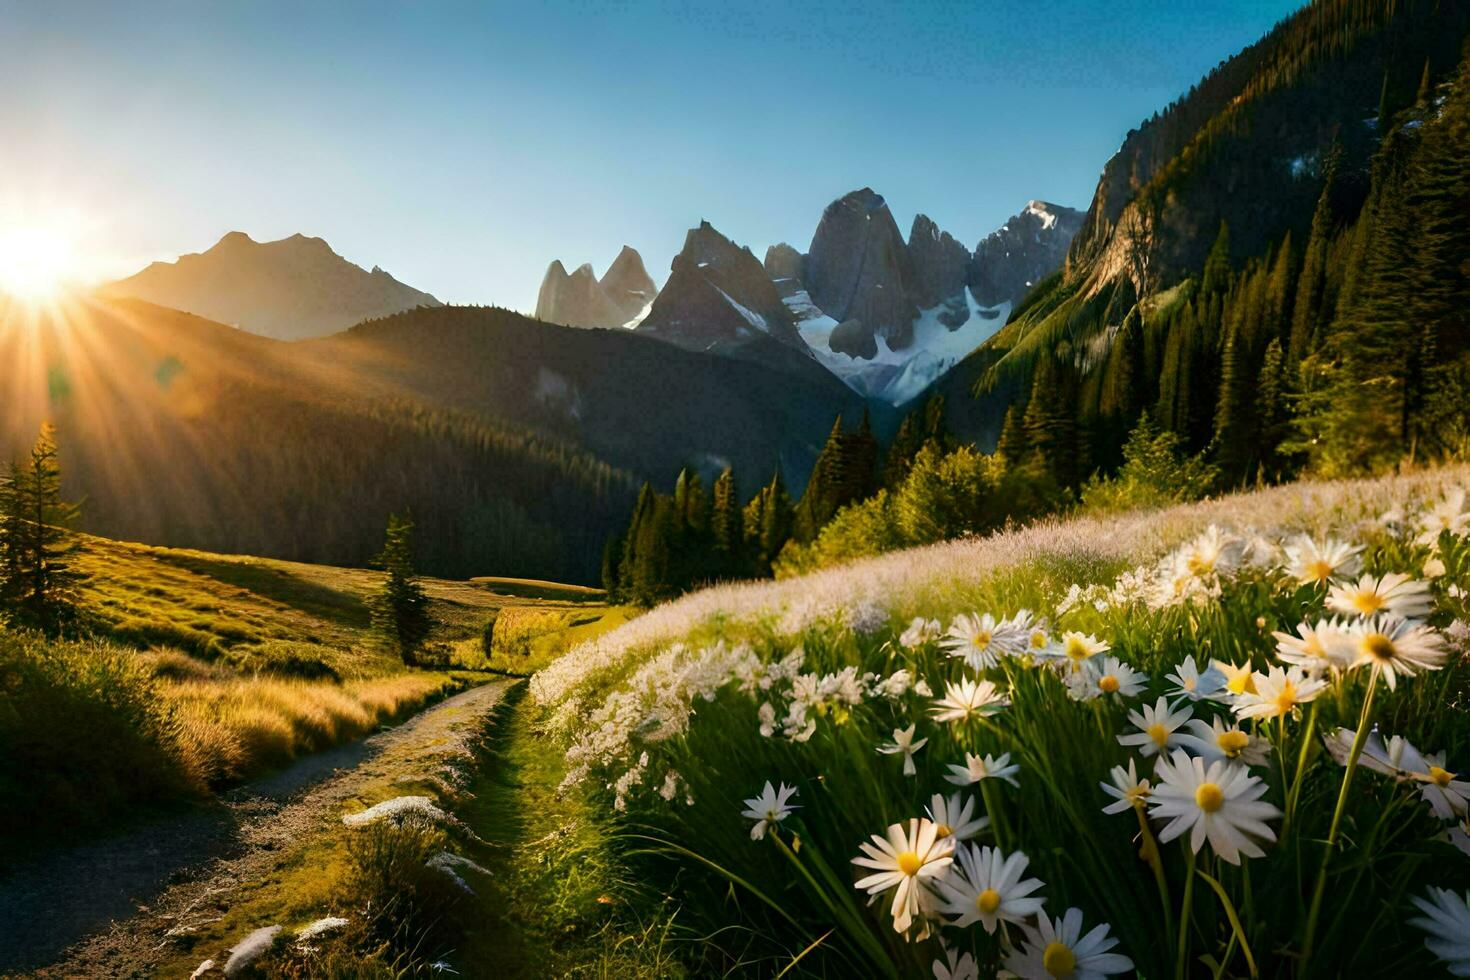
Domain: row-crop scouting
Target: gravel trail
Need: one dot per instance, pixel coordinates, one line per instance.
(111, 908)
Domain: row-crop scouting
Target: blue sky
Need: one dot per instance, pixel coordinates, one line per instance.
(464, 146)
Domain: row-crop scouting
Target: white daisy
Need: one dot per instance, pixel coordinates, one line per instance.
(1128, 791)
(1192, 683)
(976, 769)
(1238, 680)
(968, 699)
(1448, 514)
(907, 861)
(1222, 803)
(1213, 740)
(919, 632)
(956, 966)
(1447, 920)
(1077, 648)
(1447, 796)
(1316, 649)
(955, 816)
(1312, 563)
(1278, 692)
(1057, 948)
(769, 808)
(1109, 675)
(981, 641)
(1391, 646)
(905, 743)
(1215, 552)
(1396, 757)
(986, 886)
(1156, 726)
(1394, 593)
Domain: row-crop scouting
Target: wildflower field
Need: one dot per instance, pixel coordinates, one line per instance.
(1217, 740)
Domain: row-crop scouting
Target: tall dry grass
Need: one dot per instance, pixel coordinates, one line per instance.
(228, 728)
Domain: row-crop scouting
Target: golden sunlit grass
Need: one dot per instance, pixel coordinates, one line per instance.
(228, 727)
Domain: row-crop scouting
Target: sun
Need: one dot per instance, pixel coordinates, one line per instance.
(37, 262)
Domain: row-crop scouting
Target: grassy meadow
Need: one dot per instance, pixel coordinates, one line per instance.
(1218, 740)
(199, 671)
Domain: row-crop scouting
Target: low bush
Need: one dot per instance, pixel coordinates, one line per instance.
(85, 733)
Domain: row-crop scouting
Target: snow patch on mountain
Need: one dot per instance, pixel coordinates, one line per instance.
(897, 376)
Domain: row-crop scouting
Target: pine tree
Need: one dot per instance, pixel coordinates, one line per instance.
(725, 526)
(1308, 312)
(612, 556)
(1011, 445)
(40, 581)
(1050, 423)
(400, 610)
(901, 452)
(1217, 275)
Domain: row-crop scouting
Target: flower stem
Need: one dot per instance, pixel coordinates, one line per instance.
(1181, 959)
(1149, 851)
(1310, 936)
(1301, 767)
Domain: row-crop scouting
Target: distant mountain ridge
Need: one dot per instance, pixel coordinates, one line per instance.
(884, 315)
(289, 289)
(622, 297)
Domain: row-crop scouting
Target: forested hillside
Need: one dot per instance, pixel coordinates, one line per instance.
(516, 445)
(1274, 267)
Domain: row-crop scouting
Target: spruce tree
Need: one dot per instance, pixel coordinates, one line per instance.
(612, 556)
(400, 609)
(1217, 274)
(725, 525)
(1011, 445)
(41, 582)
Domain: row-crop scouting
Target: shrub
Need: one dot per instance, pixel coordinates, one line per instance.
(84, 734)
(1155, 473)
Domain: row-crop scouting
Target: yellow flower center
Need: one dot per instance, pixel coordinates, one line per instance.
(1058, 959)
(1201, 564)
(1379, 647)
(988, 901)
(1077, 650)
(1243, 682)
(910, 863)
(1159, 734)
(1233, 742)
(1286, 700)
(1367, 603)
(1319, 570)
(1108, 685)
(1313, 647)
(1038, 639)
(1440, 776)
(981, 640)
(1209, 797)
(942, 830)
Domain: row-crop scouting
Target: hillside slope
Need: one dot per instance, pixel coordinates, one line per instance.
(516, 445)
(1226, 223)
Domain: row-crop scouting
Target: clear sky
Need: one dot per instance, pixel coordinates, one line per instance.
(464, 146)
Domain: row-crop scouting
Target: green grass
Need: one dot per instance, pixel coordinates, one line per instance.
(788, 904)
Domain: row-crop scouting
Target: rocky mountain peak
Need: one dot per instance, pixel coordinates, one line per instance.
(858, 269)
(1027, 248)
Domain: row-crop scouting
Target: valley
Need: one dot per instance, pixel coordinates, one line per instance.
(820, 588)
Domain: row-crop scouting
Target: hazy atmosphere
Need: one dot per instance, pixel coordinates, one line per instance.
(460, 146)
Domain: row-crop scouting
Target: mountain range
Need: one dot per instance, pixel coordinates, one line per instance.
(289, 289)
(885, 315)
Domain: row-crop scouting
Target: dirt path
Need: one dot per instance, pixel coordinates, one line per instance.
(110, 908)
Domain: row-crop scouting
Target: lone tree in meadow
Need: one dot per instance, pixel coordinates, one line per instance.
(400, 610)
(38, 576)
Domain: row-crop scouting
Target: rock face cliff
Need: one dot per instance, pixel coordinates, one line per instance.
(623, 294)
(718, 293)
(858, 271)
(1026, 249)
(290, 289)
